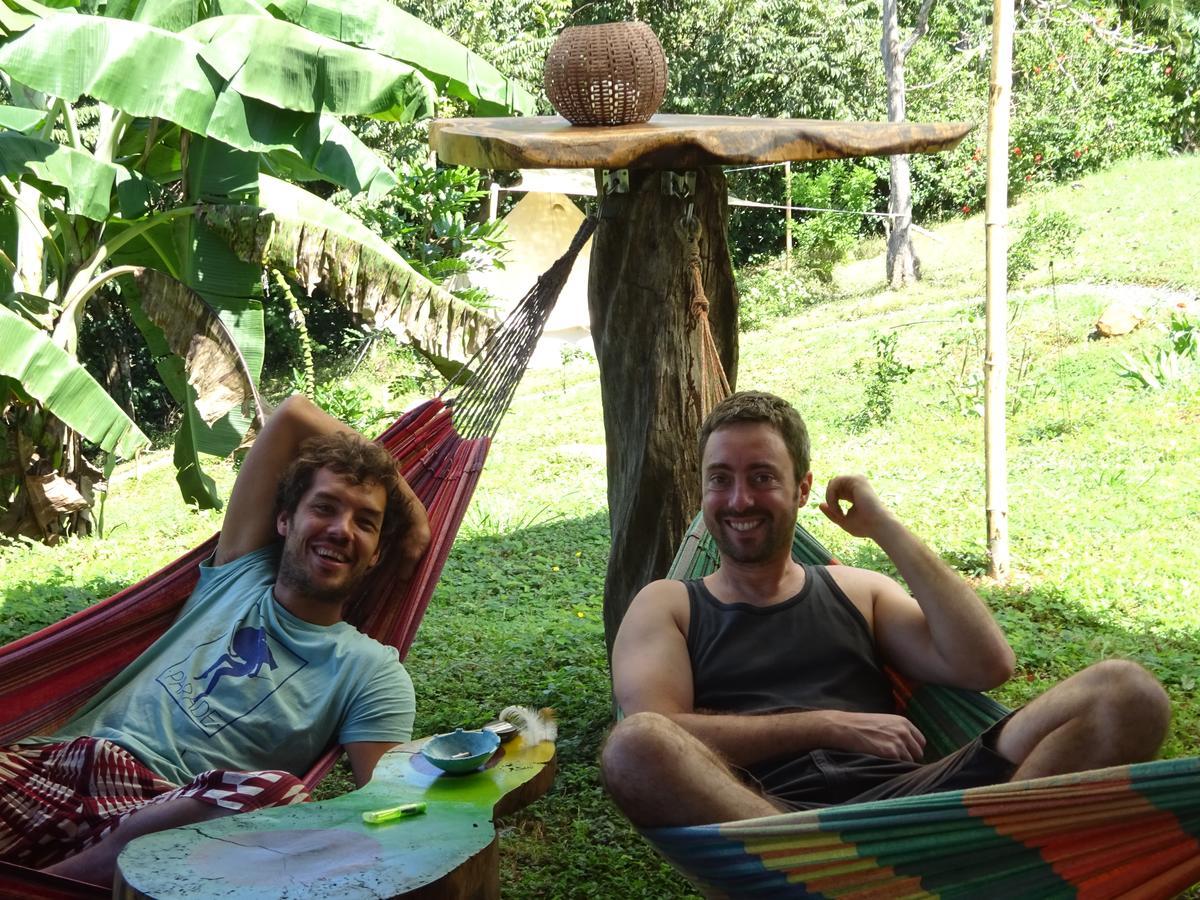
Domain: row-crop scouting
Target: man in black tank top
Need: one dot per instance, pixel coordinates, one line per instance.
(760, 689)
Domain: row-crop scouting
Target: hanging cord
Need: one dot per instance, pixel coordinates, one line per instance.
(714, 386)
(484, 392)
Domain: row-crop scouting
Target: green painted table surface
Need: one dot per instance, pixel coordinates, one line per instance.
(324, 849)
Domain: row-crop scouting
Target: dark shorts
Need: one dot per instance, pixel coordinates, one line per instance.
(829, 777)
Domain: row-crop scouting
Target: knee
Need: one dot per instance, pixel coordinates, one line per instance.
(637, 747)
(636, 742)
(1131, 696)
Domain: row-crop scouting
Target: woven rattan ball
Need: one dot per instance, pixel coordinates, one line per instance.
(613, 74)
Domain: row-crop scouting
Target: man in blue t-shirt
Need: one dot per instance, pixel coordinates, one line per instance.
(254, 679)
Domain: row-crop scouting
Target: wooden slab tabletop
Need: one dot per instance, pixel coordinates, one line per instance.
(324, 849)
(678, 142)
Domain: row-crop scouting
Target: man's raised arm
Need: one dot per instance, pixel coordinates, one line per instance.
(652, 672)
(250, 518)
(943, 633)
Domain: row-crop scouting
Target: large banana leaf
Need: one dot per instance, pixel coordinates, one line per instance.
(141, 70)
(203, 367)
(217, 372)
(176, 15)
(378, 25)
(183, 78)
(338, 156)
(88, 182)
(229, 285)
(18, 15)
(48, 374)
(305, 145)
(18, 118)
(322, 247)
(371, 25)
(293, 68)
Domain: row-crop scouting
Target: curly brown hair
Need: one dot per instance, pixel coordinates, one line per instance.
(759, 406)
(356, 459)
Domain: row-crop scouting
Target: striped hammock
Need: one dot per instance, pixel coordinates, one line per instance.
(439, 446)
(1127, 831)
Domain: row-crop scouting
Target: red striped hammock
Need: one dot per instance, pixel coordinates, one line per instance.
(440, 447)
(1127, 831)
(46, 676)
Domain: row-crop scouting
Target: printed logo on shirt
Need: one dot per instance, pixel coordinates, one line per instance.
(216, 685)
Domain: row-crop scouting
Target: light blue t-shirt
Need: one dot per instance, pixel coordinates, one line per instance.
(238, 682)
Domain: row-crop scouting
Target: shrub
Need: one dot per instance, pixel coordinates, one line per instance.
(353, 405)
(1045, 235)
(432, 219)
(821, 240)
(1165, 365)
(883, 374)
(767, 292)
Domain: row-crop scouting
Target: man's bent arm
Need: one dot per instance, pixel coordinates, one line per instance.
(652, 672)
(364, 756)
(250, 519)
(748, 739)
(948, 635)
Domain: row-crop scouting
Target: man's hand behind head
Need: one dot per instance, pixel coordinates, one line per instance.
(414, 540)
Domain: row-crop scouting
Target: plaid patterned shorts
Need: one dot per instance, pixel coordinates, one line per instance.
(59, 799)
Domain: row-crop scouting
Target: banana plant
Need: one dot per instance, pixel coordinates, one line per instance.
(167, 207)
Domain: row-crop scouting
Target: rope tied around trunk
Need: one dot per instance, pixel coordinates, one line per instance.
(714, 385)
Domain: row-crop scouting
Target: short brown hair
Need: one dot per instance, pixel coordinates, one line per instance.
(759, 406)
(356, 459)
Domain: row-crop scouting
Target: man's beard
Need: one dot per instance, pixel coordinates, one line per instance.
(294, 575)
(774, 539)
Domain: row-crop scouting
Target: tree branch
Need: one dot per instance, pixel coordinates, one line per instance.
(967, 55)
(919, 29)
(1113, 37)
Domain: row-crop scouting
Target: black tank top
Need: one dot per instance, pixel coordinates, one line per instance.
(812, 651)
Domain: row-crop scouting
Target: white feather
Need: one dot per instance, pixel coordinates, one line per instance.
(534, 726)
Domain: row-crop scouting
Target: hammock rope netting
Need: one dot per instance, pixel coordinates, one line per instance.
(439, 446)
(1127, 831)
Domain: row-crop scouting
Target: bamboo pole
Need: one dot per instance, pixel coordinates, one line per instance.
(995, 363)
(787, 216)
(493, 201)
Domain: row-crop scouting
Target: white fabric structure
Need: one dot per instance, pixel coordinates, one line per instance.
(539, 230)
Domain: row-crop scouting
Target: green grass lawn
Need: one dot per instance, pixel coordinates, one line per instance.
(1104, 504)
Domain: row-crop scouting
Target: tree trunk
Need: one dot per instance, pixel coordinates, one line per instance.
(50, 480)
(903, 267)
(647, 346)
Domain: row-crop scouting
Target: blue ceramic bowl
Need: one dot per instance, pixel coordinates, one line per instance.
(461, 751)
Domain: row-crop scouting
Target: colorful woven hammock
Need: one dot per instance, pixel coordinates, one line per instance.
(1127, 831)
(440, 447)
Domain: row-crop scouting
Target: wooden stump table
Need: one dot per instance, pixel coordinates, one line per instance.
(648, 344)
(324, 849)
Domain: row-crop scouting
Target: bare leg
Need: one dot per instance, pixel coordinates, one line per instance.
(660, 775)
(1109, 714)
(97, 864)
